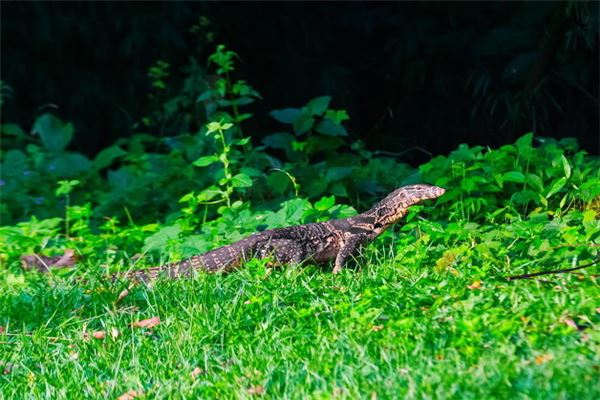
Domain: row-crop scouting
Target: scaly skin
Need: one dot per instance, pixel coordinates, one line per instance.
(320, 242)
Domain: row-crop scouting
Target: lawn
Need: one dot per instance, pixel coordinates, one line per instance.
(390, 328)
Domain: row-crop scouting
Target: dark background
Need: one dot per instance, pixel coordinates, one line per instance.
(430, 75)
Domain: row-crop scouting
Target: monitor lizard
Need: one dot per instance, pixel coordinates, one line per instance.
(319, 242)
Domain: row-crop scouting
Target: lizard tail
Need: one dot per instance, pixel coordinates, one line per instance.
(172, 270)
(223, 259)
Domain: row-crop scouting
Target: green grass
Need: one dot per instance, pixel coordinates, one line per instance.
(390, 329)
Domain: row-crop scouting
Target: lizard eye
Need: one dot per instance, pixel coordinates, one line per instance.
(377, 225)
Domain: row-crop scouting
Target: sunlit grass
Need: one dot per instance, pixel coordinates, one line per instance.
(385, 330)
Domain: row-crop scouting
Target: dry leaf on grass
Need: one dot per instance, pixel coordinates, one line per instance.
(543, 358)
(99, 334)
(122, 295)
(257, 389)
(2, 329)
(377, 328)
(43, 263)
(475, 285)
(585, 323)
(130, 395)
(147, 323)
(6, 367)
(197, 371)
(571, 323)
(114, 333)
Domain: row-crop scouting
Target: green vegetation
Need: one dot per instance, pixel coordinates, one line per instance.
(427, 312)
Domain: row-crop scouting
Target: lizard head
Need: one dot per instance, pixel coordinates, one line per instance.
(395, 205)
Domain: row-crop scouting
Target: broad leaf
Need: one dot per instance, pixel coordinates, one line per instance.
(330, 128)
(286, 115)
(303, 124)
(54, 134)
(325, 203)
(205, 161)
(68, 165)
(107, 156)
(318, 105)
(556, 186)
(241, 180)
(279, 140)
(514, 176)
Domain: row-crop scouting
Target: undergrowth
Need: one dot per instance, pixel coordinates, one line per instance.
(425, 312)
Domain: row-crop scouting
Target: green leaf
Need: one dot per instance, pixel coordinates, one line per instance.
(294, 210)
(338, 189)
(243, 117)
(315, 187)
(107, 156)
(65, 187)
(325, 203)
(54, 134)
(303, 124)
(12, 130)
(524, 196)
(472, 182)
(241, 180)
(514, 176)
(279, 140)
(278, 182)
(217, 126)
(242, 141)
(242, 101)
(337, 173)
(330, 128)
(337, 116)
(524, 144)
(556, 186)
(69, 165)
(566, 166)
(209, 193)
(286, 115)
(205, 161)
(212, 127)
(563, 201)
(535, 181)
(161, 238)
(187, 197)
(206, 95)
(590, 190)
(251, 171)
(318, 105)
(299, 146)
(468, 185)
(321, 143)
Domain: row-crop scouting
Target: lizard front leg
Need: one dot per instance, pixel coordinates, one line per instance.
(352, 244)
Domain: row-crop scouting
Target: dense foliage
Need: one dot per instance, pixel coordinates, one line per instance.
(428, 310)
